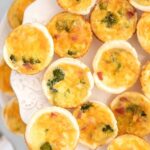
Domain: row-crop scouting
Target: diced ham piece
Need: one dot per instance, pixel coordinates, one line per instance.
(123, 99)
(100, 75)
(84, 128)
(53, 115)
(56, 36)
(74, 38)
(79, 115)
(120, 110)
(28, 66)
(130, 14)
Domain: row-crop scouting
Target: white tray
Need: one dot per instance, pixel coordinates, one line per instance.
(41, 11)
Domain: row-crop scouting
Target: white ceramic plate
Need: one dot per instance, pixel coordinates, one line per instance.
(32, 99)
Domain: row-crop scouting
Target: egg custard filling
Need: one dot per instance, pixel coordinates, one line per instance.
(16, 12)
(97, 124)
(145, 79)
(143, 31)
(128, 142)
(113, 19)
(117, 67)
(77, 6)
(67, 84)
(132, 111)
(5, 73)
(72, 35)
(28, 49)
(12, 117)
(52, 130)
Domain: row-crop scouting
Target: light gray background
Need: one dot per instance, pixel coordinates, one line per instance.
(17, 141)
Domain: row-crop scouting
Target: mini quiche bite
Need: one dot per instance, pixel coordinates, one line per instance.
(82, 7)
(113, 20)
(67, 83)
(29, 48)
(12, 117)
(132, 111)
(143, 5)
(116, 66)
(16, 12)
(71, 33)
(5, 73)
(52, 128)
(145, 79)
(97, 123)
(129, 142)
(143, 31)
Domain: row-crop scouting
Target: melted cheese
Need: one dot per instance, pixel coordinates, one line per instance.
(92, 124)
(128, 142)
(16, 11)
(113, 19)
(73, 89)
(143, 31)
(145, 79)
(5, 72)
(132, 111)
(119, 72)
(143, 2)
(28, 49)
(12, 117)
(77, 6)
(54, 128)
(71, 34)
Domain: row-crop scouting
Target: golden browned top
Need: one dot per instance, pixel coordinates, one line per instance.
(5, 72)
(128, 142)
(113, 19)
(27, 49)
(68, 85)
(145, 79)
(16, 12)
(52, 130)
(143, 31)
(75, 5)
(12, 117)
(132, 111)
(122, 68)
(96, 122)
(71, 33)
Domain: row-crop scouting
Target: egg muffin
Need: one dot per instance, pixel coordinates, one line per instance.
(97, 123)
(143, 5)
(116, 66)
(29, 48)
(132, 111)
(113, 20)
(143, 31)
(145, 80)
(67, 83)
(71, 33)
(82, 7)
(5, 73)
(16, 12)
(129, 142)
(12, 117)
(52, 129)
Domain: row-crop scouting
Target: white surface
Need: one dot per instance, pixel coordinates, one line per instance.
(5, 144)
(87, 59)
(31, 97)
